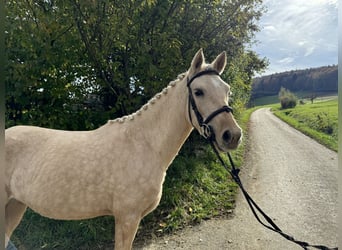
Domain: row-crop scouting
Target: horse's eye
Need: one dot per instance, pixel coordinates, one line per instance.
(199, 92)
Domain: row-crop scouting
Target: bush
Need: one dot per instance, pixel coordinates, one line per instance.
(287, 102)
(323, 123)
(287, 99)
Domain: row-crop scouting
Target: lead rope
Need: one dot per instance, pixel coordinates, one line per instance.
(208, 133)
(234, 172)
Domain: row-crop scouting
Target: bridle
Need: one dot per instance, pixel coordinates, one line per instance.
(208, 133)
(205, 129)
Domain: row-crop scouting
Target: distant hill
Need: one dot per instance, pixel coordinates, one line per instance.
(316, 81)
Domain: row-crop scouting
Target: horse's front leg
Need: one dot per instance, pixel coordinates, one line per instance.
(14, 212)
(126, 227)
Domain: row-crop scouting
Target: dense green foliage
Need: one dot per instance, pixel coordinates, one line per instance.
(75, 64)
(319, 120)
(311, 81)
(287, 98)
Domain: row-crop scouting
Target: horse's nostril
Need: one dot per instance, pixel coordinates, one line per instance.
(226, 136)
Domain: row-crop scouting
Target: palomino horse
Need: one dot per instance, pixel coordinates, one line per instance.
(119, 168)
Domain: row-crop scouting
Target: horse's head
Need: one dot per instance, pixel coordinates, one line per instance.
(208, 107)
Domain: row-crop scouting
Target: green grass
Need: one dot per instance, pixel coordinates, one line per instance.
(318, 120)
(37, 232)
(196, 188)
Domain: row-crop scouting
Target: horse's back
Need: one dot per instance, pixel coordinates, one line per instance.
(29, 141)
(23, 142)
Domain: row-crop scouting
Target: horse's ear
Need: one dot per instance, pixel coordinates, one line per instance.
(197, 62)
(220, 62)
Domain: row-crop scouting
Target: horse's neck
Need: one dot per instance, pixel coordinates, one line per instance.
(165, 122)
(161, 125)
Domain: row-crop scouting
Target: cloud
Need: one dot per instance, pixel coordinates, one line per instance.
(309, 51)
(286, 60)
(298, 34)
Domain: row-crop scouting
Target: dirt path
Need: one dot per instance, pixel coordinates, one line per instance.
(293, 178)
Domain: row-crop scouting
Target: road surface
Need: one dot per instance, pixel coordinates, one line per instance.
(291, 177)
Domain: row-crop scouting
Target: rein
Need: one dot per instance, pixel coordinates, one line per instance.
(208, 133)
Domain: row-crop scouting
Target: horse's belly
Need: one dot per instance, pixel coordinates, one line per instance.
(70, 214)
(63, 191)
(72, 200)
(64, 208)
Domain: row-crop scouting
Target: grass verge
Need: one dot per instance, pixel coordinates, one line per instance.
(318, 120)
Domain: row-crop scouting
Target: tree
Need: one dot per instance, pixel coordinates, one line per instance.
(313, 96)
(44, 63)
(120, 53)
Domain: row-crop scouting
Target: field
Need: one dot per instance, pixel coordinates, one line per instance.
(318, 120)
(267, 100)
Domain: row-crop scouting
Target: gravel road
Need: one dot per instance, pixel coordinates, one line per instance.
(291, 177)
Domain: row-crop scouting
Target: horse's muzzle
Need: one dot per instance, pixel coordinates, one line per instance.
(230, 139)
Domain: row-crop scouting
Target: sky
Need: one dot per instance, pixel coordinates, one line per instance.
(298, 34)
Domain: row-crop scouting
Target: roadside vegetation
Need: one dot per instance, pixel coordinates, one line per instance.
(318, 120)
